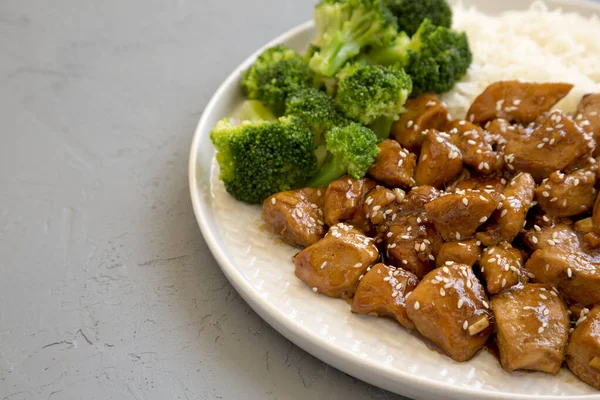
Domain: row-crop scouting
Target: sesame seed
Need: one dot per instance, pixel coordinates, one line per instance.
(551, 242)
(485, 304)
(324, 265)
(492, 260)
(457, 236)
(541, 329)
(459, 304)
(357, 265)
(539, 146)
(386, 279)
(543, 297)
(417, 246)
(482, 219)
(534, 239)
(503, 282)
(569, 272)
(417, 305)
(315, 289)
(491, 251)
(439, 139)
(409, 124)
(423, 246)
(471, 142)
(469, 284)
(537, 228)
(465, 325)
(446, 270)
(503, 213)
(465, 201)
(442, 292)
(273, 200)
(424, 157)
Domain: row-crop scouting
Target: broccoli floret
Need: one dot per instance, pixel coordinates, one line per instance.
(260, 158)
(353, 150)
(254, 110)
(373, 95)
(277, 72)
(392, 55)
(345, 27)
(411, 13)
(437, 58)
(317, 109)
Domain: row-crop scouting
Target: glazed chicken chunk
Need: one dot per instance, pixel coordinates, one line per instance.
(296, 215)
(344, 202)
(450, 307)
(516, 101)
(509, 218)
(376, 202)
(532, 327)
(588, 117)
(422, 113)
(382, 292)
(440, 161)
(457, 216)
(476, 151)
(465, 252)
(583, 352)
(493, 186)
(562, 195)
(334, 264)
(412, 243)
(501, 266)
(557, 144)
(394, 166)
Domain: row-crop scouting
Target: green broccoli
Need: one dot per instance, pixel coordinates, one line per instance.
(411, 13)
(435, 57)
(373, 95)
(254, 110)
(277, 72)
(392, 55)
(353, 150)
(317, 109)
(260, 158)
(345, 27)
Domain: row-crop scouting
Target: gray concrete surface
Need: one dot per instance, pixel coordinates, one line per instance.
(107, 289)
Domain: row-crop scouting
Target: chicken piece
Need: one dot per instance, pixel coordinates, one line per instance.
(394, 166)
(382, 292)
(494, 186)
(503, 131)
(562, 195)
(413, 244)
(558, 144)
(422, 113)
(532, 328)
(296, 215)
(450, 307)
(588, 117)
(376, 202)
(509, 218)
(419, 196)
(502, 267)
(553, 234)
(334, 264)
(576, 276)
(516, 101)
(465, 252)
(596, 215)
(440, 161)
(583, 351)
(474, 146)
(457, 216)
(344, 202)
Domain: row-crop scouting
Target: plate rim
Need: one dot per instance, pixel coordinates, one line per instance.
(316, 345)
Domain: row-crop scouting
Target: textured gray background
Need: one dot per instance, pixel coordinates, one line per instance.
(107, 289)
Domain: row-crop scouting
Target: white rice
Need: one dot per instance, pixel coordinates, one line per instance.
(539, 44)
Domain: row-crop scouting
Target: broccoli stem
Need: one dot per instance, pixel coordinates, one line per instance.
(382, 127)
(330, 172)
(254, 110)
(334, 55)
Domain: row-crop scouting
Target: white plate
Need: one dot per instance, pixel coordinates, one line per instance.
(372, 349)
